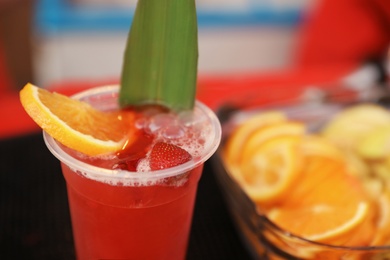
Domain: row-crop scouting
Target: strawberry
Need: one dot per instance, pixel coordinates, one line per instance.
(164, 155)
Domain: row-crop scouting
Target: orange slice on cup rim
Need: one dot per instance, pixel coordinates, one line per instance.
(74, 123)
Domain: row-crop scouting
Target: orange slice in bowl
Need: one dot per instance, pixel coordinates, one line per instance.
(322, 222)
(317, 171)
(268, 132)
(233, 148)
(329, 205)
(74, 123)
(265, 162)
(270, 171)
(316, 145)
(382, 234)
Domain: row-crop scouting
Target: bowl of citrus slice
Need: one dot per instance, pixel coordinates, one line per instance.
(309, 178)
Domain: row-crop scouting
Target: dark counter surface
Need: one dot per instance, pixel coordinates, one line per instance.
(34, 215)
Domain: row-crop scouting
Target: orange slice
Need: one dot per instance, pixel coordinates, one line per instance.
(382, 235)
(270, 171)
(315, 145)
(321, 222)
(268, 132)
(317, 172)
(241, 134)
(76, 124)
(356, 164)
(327, 204)
(364, 234)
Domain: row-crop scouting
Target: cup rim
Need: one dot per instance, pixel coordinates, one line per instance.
(100, 173)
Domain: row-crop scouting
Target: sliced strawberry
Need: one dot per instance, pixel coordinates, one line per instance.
(164, 155)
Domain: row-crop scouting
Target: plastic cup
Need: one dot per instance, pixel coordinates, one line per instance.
(118, 214)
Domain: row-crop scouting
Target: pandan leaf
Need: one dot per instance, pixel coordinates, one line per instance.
(161, 56)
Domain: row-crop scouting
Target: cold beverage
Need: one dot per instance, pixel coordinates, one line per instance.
(121, 206)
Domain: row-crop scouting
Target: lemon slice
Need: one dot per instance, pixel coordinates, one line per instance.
(348, 127)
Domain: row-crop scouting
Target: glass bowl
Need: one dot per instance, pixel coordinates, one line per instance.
(263, 238)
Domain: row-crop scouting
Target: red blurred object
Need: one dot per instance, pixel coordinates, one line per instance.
(345, 32)
(13, 119)
(216, 91)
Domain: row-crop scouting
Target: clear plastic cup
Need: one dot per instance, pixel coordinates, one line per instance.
(117, 214)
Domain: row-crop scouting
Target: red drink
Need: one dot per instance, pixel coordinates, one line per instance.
(118, 222)
(121, 214)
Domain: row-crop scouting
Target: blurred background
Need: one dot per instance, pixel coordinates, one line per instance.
(255, 43)
(47, 41)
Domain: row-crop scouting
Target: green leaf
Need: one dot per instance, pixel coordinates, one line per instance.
(161, 57)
